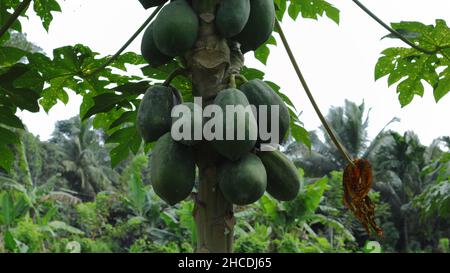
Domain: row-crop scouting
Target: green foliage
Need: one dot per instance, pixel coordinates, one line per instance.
(91, 218)
(44, 9)
(81, 245)
(143, 246)
(435, 199)
(256, 240)
(307, 9)
(411, 68)
(308, 201)
(444, 245)
(12, 207)
(30, 234)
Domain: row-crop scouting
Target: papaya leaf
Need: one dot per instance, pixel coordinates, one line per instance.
(10, 55)
(311, 9)
(8, 118)
(8, 137)
(412, 68)
(118, 154)
(443, 86)
(300, 134)
(128, 139)
(105, 102)
(44, 9)
(23, 98)
(128, 58)
(7, 158)
(129, 116)
(121, 135)
(280, 8)
(252, 73)
(262, 53)
(104, 120)
(162, 72)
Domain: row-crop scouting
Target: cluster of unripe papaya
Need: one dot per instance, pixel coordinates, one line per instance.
(244, 171)
(175, 29)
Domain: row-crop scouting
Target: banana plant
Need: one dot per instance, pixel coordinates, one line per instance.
(12, 208)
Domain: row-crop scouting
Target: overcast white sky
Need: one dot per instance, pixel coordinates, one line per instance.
(338, 61)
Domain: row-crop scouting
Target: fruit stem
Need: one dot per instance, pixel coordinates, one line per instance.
(324, 122)
(17, 11)
(242, 78)
(117, 54)
(232, 82)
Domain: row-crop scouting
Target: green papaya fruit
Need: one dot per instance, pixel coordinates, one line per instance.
(259, 93)
(242, 140)
(175, 28)
(259, 26)
(283, 181)
(244, 181)
(153, 117)
(231, 17)
(172, 170)
(188, 124)
(151, 3)
(149, 50)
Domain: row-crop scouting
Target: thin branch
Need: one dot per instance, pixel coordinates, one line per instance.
(325, 124)
(177, 72)
(115, 56)
(232, 81)
(393, 31)
(22, 7)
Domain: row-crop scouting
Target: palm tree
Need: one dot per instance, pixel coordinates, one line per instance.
(82, 165)
(397, 172)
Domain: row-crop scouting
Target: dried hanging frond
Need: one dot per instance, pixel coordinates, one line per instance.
(357, 182)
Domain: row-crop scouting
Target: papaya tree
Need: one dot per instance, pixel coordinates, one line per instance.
(194, 49)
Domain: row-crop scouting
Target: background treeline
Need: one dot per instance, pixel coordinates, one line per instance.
(63, 196)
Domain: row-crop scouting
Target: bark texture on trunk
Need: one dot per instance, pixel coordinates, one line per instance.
(210, 64)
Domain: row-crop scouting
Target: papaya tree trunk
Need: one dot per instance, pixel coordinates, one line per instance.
(210, 64)
(213, 216)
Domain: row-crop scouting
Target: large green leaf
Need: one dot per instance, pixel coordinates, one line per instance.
(7, 117)
(25, 98)
(10, 56)
(309, 199)
(7, 212)
(44, 9)
(412, 68)
(311, 9)
(137, 194)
